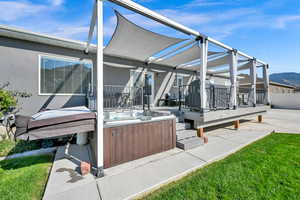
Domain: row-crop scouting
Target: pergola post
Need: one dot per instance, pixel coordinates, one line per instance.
(233, 78)
(203, 43)
(99, 134)
(253, 82)
(266, 84)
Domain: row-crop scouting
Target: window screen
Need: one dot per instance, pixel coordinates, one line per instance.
(61, 76)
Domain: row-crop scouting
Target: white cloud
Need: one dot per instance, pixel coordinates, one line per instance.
(13, 10)
(283, 21)
(71, 31)
(203, 3)
(56, 2)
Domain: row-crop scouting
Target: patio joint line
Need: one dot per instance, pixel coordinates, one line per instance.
(201, 159)
(141, 165)
(98, 189)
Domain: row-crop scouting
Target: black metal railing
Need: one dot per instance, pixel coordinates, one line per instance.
(218, 97)
(243, 96)
(122, 97)
(260, 96)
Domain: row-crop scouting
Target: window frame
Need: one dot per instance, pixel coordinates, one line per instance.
(67, 59)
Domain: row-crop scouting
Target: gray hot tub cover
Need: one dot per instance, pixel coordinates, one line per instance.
(55, 123)
(135, 42)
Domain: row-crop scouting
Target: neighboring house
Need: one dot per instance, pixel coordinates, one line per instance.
(274, 87)
(281, 88)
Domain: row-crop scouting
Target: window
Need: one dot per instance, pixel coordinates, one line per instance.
(178, 81)
(64, 76)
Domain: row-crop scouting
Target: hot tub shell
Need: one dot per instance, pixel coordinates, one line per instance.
(133, 139)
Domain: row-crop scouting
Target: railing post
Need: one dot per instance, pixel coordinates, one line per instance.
(253, 81)
(233, 79)
(266, 84)
(203, 44)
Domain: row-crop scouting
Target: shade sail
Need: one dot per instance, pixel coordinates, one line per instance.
(135, 42)
(188, 55)
(240, 68)
(218, 62)
(211, 64)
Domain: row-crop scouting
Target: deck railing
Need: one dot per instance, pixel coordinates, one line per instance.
(218, 97)
(122, 97)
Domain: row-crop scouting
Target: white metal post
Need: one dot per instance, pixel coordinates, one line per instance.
(203, 43)
(233, 75)
(100, 147)
(165, 87)
(266, 84)
(253, 82)
(92, 26)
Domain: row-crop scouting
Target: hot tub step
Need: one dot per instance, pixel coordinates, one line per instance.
(185, 134)
(189, 143)
(182, 126)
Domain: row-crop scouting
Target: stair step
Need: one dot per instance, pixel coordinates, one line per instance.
(184, 134)
(182, 126)
(190, 143)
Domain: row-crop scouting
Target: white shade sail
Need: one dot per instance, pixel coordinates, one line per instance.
(240, 68)
(135, 42)
(212, 63)
(188, 55)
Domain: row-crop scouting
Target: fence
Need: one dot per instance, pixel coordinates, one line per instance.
(285, 100)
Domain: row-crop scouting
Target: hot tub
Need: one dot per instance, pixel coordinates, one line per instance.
(133, 116)
(135, 134)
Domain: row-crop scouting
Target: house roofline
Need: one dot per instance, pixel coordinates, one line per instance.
(21, 34)
(272, 83)
(280, 84)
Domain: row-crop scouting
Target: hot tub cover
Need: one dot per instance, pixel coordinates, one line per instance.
(54, 123)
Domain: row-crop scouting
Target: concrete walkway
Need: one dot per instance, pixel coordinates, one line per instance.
(65, 180)
(134, 178)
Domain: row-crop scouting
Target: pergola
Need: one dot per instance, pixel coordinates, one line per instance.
(132, 45)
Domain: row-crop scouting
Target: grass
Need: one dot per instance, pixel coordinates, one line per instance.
(8, 147)
(266, 169)
(24, 178)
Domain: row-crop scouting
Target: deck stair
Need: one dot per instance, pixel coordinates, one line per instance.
(187, 138)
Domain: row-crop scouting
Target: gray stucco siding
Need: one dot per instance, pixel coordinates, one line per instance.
(19, 63)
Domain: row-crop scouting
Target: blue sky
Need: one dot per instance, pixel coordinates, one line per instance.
(266, 29)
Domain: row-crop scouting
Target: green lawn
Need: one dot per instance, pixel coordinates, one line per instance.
(24, 178)
(267, 169)
(8, 147)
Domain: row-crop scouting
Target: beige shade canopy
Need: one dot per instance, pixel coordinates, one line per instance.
(188, 55)
(134, 42)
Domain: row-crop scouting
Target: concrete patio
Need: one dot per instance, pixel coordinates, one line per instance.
(138, 177)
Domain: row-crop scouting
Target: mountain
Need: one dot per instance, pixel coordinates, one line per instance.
(288, 78)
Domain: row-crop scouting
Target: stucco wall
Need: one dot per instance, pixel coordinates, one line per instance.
(19, 64)
(286, 100)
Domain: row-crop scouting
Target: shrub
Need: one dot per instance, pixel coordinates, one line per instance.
(7, 102)
(9, 99)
